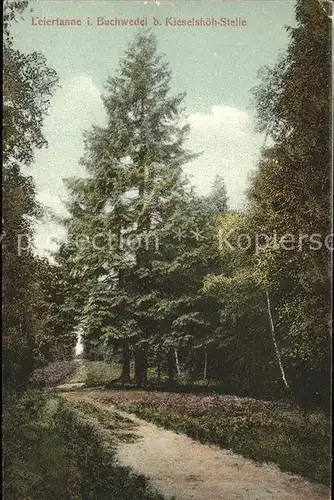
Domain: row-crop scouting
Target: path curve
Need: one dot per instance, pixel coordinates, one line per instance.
(188, 470)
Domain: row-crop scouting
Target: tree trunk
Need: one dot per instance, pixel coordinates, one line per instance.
(138, 368)
(126, 361)
(141, 367)
(205, 365)
(178, 371)
(159, 370)
(145, 368)
(170, 367)
(273, 336)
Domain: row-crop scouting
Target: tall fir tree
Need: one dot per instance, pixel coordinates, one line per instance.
(135, 185)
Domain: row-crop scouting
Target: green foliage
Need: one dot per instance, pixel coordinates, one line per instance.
(53, 374)
(55, 451)
(29, 83)
(54, 316)
(28, 86)
(98, 373)
(291, 192)
(35, 465)
(289, 195)
(177, 301)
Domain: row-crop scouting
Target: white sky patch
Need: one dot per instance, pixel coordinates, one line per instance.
(230, 148)
(47, 238)
(76, 106)
(79, 345)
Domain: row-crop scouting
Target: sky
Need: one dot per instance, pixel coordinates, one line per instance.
(216, 66)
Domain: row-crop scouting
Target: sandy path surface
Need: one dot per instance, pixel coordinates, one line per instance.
(180, 467)
(71, 386)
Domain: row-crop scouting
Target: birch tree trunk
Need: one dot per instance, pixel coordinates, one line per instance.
(205, 365)
(159, 371)
(170, 367)
(177, 363)
(273, 336)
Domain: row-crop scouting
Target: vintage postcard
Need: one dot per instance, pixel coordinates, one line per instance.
(167, 249)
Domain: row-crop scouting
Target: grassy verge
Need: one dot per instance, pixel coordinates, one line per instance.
(54, 451)
(263, 431)
(95, 373)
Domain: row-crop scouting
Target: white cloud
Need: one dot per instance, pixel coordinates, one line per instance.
(230, 148)
(47, 237)
(76, 106)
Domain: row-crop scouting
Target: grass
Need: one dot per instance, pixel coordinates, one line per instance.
(54, 450)
(61, 450)
(95, 373)
(120, 427)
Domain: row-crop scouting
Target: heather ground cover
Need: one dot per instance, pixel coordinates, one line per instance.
(266, 432)
(53, 374)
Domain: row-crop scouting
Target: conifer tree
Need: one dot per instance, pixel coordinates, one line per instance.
(135, 185)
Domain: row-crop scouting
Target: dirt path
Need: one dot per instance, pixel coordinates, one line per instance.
(180, 467)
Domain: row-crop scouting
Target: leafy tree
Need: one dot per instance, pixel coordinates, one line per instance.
(190, 316)
(28, 85)
(244, 342)
(53, 313)
(290, 194)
